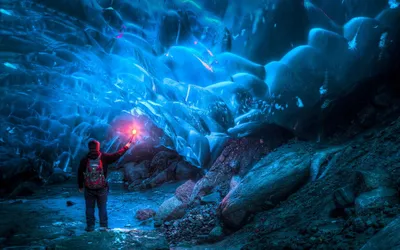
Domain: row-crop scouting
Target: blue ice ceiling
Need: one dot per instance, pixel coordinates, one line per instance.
(199, 71)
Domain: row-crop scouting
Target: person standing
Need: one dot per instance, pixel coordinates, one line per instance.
(92, 181)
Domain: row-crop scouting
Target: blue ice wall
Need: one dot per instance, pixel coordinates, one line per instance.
(201, 71)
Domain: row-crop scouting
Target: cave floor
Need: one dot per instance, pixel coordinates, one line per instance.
(45, 220)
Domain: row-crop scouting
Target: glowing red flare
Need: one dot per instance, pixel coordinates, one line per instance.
(133, 131)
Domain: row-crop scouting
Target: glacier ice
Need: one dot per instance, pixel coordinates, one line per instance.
(200, 71)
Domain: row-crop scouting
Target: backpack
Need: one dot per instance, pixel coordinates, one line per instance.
(94, 175)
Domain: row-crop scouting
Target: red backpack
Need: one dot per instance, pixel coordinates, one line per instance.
(94, 175)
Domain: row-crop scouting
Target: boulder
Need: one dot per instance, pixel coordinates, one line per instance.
(58, 176)
(367, 180)
(162, 160)
(170, 209)
(213, 198)
(270, 181)
(376, 199)
(116, 176)
(246, 151)
(135, 173)
(184, 191)
(175, 207)
(234, 182)
(344, 197)
(145, 214)
(216, 234)
(185, 171)
(24, 189)
(388, 238)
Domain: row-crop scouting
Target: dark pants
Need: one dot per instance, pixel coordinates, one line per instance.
(91, 197)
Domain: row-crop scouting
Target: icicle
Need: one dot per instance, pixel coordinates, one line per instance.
(187, 93)
(65, 168)
(179, 33)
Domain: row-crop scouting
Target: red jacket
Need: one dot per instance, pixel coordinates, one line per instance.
(106, 159)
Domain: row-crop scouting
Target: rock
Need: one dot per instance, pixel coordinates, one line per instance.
(216, 233)
(270, 181)
(170, 209)
(220, 173)
(359, 225)
(136, 173)
(234, 182)
(382, 100)
(162, 160)
(144, 214)
(185, 171)
(184, 191)
(376, 200)
(58, 176)
(388, 238)
(344, 197)
(367, 180)
(116, 176)
(367, 116)
(24, 189)
(70, 203)
(213, 198)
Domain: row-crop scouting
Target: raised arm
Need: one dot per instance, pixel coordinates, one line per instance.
(111, 158)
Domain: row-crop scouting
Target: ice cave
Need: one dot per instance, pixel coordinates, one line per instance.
(200, 124)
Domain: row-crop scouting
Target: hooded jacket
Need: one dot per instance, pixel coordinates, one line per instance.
(106, 159)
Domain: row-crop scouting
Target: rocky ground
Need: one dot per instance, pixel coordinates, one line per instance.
(54, 217)
(337, 195)
(351, 206)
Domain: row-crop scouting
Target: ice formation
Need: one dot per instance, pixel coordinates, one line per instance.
(74, 70)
